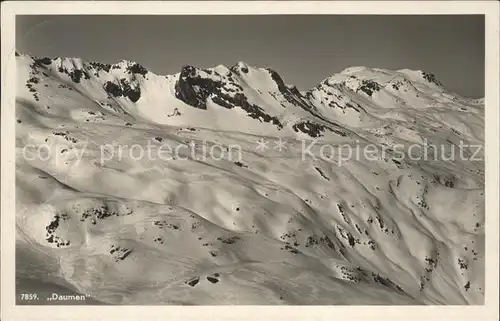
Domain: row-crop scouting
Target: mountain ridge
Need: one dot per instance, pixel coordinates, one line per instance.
(260, 92)
(240, 66)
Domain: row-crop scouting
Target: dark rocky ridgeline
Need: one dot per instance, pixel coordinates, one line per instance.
(97, 66)
(123, 89)
(401, 83)
(75, 74)
(131, 93)
(194, 90)
(113, 89)
(136, 68)
(369, 87)
(314, 129)
(43, 61)
(430, 78)
(307, 127)
(291, 94)
(255, 111)
(239, 68)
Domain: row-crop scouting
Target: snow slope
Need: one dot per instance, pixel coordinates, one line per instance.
(307, 223)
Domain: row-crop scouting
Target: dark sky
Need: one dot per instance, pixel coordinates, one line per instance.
(304, 49)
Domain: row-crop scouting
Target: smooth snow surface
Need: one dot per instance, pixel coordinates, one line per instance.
(271, 227)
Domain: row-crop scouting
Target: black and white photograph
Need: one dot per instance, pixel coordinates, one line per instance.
(250, 159)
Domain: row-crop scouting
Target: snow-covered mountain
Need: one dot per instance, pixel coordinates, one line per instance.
(286, 208)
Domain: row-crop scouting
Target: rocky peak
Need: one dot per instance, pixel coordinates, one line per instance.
(194, 89)
(197, 88)
(241, 68)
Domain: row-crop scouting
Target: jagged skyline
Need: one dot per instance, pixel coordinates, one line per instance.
(327, 44)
